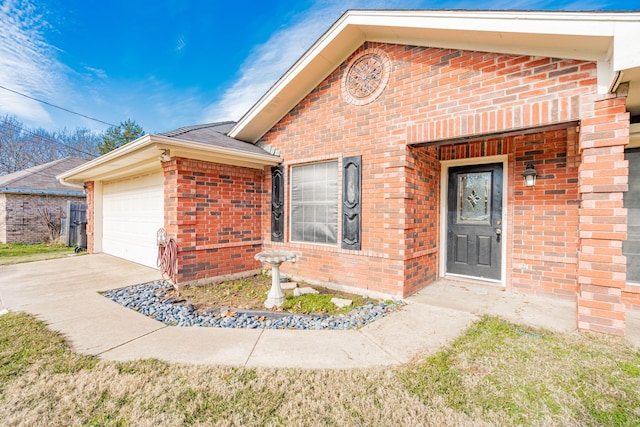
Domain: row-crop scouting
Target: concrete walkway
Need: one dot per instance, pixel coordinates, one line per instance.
(64, 294)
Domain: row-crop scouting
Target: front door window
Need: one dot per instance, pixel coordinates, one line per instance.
(474, 203)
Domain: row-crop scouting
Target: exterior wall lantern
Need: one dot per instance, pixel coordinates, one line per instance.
(529, 176)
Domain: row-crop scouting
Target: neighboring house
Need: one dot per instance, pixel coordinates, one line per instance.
(392, 154)
(26, 194)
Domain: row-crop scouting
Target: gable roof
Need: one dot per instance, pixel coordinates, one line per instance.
(610, 39)
(207, 142)
(41, 179)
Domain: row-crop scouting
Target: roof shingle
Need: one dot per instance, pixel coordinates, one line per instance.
(41, 179)
(213, 134)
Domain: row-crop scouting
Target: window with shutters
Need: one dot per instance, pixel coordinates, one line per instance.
(314, 203)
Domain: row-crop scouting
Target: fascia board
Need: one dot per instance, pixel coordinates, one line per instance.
(196, 148)
(593, 24)
(9, 190)
(626, 46)
(105, 158)
(120, 170)
(144, 154)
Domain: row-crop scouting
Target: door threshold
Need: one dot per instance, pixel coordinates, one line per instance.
(472, 279)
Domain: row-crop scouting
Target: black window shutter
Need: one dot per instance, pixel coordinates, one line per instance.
(277, 204)
(351, 202)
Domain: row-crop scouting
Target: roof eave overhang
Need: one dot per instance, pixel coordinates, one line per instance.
(144, 156)
(606, 38)
(33, 192)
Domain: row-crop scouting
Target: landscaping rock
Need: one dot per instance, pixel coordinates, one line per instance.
(308, 290)
(149, 299)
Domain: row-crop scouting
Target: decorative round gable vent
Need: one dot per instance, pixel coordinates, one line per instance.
(366, 77)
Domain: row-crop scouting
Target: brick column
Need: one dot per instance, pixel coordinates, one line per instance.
(603, 178)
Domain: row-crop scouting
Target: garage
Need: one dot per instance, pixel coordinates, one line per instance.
(133, 211)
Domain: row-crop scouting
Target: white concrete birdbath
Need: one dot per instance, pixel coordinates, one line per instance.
(275, 297)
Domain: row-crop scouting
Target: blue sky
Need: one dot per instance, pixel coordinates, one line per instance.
(172, 63)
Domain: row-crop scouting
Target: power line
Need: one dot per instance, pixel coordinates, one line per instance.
(19, 129)
(55, 106)
(48, 138)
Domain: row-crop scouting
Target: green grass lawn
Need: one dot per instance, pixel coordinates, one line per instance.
(15, 253)
(496, 373)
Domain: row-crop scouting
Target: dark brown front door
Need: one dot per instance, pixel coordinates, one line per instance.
(474, 221)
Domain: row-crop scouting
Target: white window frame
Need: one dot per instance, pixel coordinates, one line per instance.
(336, 203)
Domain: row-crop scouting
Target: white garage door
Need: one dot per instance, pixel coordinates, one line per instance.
(132, 213)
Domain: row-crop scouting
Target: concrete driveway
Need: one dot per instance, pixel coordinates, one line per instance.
(64, 293)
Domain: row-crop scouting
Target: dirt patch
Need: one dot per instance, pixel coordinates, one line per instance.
(250, 293)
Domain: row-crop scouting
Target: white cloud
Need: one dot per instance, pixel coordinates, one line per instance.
(97, 72)
(27, 63)
(268, 62)
(181, 43)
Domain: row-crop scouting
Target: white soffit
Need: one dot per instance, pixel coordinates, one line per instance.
(592, 36)
(143, 156)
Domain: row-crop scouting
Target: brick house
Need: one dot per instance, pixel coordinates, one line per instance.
(394, 152)
(26, 193)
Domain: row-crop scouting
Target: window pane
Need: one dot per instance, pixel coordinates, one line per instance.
(474, 198)
(308, 214)
(322, 214)
(314, 203)
(296, 233)
(631, 246)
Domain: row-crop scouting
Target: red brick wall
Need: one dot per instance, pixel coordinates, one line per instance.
(215, 214)
(435, 94)
(471, 93)
(603, 218)
(542, 238)
(631, 296)
(545, 217)
(422, 232)
(378, 267)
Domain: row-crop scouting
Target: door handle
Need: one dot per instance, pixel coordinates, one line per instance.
(498, 234)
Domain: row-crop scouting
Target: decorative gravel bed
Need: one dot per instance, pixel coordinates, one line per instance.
(151, 300)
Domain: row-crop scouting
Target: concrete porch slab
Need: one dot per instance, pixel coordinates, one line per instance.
(418, 330)
(556, 314)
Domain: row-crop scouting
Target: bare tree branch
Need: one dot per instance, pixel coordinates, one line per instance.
(52, 221)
